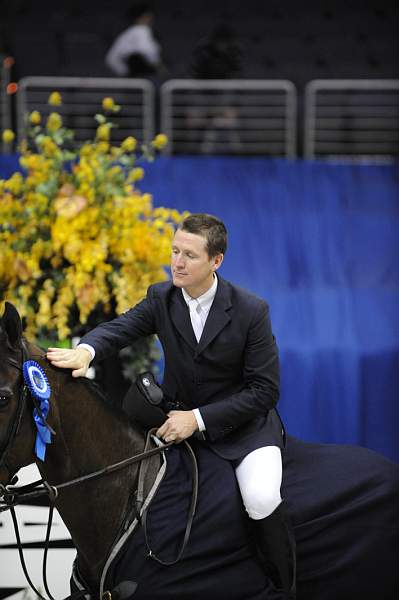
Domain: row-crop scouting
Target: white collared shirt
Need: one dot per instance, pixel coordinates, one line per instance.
(205, 302)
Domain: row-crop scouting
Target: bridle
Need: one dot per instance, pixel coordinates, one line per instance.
(12, 495)
(15, 424)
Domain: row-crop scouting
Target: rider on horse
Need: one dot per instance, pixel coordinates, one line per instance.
(222, 368)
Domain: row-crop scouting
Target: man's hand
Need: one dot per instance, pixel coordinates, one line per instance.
(179, 426)
(77, 359)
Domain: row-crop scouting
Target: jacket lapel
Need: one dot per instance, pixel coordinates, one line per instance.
(218, 316)
(180, 315)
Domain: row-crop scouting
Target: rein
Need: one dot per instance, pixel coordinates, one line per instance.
(11, 495)
(14, 495)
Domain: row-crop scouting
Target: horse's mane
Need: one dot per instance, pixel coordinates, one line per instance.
(92, 386)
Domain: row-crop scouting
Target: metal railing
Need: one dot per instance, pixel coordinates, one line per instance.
(355, 120)
(81, 100)
(245, 117)
(352, 120)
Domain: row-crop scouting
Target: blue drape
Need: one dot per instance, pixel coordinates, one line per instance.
(320, 243)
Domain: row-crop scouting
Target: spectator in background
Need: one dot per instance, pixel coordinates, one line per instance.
(217, 56)
(136, 52)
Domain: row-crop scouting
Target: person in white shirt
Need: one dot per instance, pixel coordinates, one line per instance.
(136, 52)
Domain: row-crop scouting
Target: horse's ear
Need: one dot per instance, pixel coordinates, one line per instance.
(12, 325)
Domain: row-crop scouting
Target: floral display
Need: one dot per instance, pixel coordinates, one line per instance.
(79, 242)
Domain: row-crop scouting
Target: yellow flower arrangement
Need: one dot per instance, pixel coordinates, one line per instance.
(79, 243)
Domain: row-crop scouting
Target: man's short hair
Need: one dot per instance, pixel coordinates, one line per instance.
(211, 228)
(138, 9)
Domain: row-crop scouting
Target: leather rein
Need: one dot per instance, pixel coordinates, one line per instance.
(12, 495)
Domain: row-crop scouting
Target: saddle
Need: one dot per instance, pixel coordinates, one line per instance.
(144, 402)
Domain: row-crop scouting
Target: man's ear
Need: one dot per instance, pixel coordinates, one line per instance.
(218, 259)
(12, 324)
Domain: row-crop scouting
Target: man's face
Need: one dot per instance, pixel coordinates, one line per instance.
(192, 269)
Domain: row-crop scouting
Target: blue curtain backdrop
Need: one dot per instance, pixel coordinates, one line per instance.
(320, 243)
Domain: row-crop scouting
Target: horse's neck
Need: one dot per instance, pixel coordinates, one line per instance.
(90, 435)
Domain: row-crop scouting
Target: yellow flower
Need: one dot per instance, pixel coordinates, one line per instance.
(87, 149)
(116, 152)
(136, 174)
(14, 184)
(176, 216)
(147, 199)
(8, 136)
(159, 141)
(54, 122)
(115, 170)
(21, 269)
(48, 147)
(23, 146)
(32, 161)
(103, 132)
(103, 147)
(35, 117)
(69, 207)
(55, 99)
(129, 144)
(109, 104)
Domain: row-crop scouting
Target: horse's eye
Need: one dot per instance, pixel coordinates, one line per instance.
(4, 399)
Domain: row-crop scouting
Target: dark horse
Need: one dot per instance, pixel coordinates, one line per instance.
(341, 499)
(89, 435)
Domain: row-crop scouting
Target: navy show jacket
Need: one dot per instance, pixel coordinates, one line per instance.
(231, 375)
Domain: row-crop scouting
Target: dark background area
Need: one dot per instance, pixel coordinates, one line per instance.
(279, 39)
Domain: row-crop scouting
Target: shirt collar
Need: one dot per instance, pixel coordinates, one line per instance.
(206, 299)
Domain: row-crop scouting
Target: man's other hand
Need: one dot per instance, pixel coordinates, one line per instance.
(180, 425)
(77, 359)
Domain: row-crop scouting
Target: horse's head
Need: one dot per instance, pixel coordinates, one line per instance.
(11, 385)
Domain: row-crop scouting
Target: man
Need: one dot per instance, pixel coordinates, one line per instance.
(221, 360)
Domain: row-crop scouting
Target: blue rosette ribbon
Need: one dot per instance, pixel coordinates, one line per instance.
(39, 387)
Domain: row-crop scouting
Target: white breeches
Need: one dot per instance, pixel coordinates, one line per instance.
(259, 477)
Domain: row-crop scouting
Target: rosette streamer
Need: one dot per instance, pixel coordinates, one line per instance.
(39, 387)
